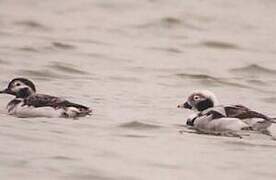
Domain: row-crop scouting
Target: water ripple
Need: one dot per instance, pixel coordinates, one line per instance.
(210, 80)
(167, 49)
(62, 45)
(62, 158)
(271, 100)
(214, 81)
(134, 136)
(257, 82)
(169, 23)
(28, 49)
(219, 45)
(139, 125)
(31, 24)
(67, 68)
(253, 70)
(3, 61)
(89, 174)
(248, 144)
(41, 74)
(125, 79)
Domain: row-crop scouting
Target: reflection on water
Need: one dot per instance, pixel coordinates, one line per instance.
(63, 45)
(133, 62)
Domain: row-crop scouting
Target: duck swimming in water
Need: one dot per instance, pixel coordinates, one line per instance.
(27, 103)
(211, 116)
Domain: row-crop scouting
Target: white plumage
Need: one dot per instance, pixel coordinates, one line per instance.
(210, 116)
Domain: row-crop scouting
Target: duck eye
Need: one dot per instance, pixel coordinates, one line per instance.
(17, 84)
(196, 98)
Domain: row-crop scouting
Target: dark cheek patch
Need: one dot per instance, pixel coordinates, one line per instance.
(23, 93)
(201, 106)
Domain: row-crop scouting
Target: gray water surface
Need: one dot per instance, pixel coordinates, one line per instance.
(133, 62)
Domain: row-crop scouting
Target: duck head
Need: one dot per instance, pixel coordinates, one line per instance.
(199, 101)
(20, 87)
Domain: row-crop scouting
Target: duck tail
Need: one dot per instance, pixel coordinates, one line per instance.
(85, 112)
(73, 112)
(272, 120)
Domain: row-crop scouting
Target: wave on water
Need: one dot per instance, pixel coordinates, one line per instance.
(31, 24)
(219, 45)
(210, 80)
(91, 174)
(167, 49)
(28, 49)
(253, 70)
(249, 144)
(41, 74)
(139, 125)
(134, 136)
(51, 47)
(257, 82)
(62, 158)
(67, 68)
(125, 79)
(271, 100)
(204, 79)
(55, 70)
(169, 23)
(3, 61)
(44, 74)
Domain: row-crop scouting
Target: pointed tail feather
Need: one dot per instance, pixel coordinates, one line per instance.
(273, 120)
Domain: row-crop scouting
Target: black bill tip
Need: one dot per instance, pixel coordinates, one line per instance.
(6, 91)
(186, 105)
(3, 91)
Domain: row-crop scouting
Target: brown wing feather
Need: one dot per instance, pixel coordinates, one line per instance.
(242, 112)
(41, 100)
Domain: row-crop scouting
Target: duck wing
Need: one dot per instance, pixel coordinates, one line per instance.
(242, 112)
(42, 100)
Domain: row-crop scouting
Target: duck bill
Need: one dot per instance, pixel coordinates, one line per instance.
(186, 105)
(6, 91)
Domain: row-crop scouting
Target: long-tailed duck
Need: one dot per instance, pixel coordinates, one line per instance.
(27, 103)
(211, 116)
